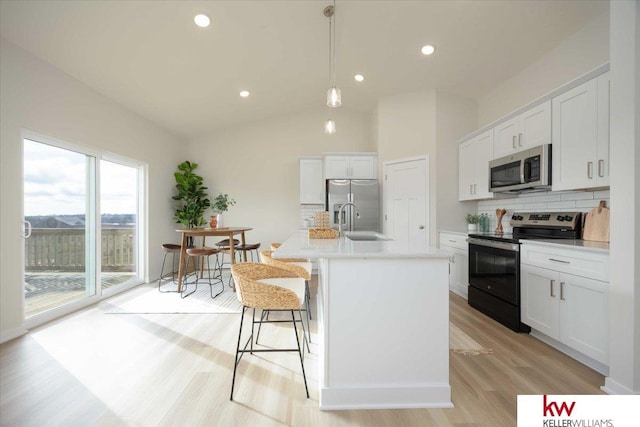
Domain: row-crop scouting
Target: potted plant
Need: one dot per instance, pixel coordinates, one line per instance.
(221, 204)
(472, 221)
(192, 195)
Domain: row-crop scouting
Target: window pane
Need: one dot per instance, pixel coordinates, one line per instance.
(119, 219)
(58, 260)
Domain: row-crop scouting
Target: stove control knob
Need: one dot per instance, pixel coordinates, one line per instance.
(560, 218)
(568, 218)
(514, 217)
(520, 218)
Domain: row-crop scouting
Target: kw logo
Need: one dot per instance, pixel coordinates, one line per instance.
(548, 408)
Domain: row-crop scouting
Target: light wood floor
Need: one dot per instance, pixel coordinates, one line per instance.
(96, 369)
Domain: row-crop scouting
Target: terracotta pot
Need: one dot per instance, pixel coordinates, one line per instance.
(213, 221)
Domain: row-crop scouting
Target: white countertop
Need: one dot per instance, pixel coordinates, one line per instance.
(300, 246)
(587, 245)
(458, 232)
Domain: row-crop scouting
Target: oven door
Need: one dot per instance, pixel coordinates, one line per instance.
(494, 268)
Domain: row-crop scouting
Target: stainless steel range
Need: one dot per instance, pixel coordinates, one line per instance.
(494, 262)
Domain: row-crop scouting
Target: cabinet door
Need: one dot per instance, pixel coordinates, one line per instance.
(460, 272)
(466, 170)
(506, 138)
(534, 127)
(336, 167)
(363, 167)
(311, 181)
(602, 155)
(539, 297)
(574, 137)
(484, 154)
(584, 316)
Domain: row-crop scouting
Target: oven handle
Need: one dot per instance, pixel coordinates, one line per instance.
(514, 247)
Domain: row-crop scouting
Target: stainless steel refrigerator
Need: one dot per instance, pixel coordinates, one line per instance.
(365, 193)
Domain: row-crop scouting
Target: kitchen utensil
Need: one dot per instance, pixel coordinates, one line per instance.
(596, 224)
(500, 213)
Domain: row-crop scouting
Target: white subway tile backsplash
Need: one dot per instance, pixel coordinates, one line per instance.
(582, 204)
(309, 212)
(561, 201)
(579, 195)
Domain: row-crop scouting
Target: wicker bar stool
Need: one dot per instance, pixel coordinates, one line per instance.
(199, 254)
(301, 267)
(264, 287)
(173, 249)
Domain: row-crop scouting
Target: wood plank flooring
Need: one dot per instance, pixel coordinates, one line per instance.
(96, 369)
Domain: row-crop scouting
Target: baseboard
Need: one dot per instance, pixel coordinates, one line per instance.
(611, 386)
(390, 397)
(460, 290)
(10, 334)
(585, 360)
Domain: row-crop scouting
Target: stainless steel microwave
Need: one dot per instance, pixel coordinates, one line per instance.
(528, 170)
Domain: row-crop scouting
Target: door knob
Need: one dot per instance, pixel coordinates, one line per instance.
(421, 227)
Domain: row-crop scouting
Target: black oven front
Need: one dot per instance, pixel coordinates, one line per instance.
(494, 280)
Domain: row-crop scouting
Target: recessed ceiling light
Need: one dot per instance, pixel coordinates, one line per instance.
(428, 49)
(359, 77)
(202, 20)
(244, 93)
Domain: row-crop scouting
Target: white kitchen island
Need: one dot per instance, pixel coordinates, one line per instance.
(383, 322)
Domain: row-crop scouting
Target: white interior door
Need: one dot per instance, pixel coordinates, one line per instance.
(406, 200)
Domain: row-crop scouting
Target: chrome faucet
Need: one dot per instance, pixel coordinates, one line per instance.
(340, 215)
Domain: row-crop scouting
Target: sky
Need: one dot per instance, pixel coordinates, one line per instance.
(55, 183)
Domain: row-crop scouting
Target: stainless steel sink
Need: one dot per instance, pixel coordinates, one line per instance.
(368, 236)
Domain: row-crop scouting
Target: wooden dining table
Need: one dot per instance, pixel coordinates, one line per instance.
(228, 232)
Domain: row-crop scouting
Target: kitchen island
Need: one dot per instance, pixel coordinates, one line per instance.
(383, 322)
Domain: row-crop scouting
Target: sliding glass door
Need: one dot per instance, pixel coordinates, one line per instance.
(81, 225)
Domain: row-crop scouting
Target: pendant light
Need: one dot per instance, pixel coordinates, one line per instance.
(334, 96)
(330, 127)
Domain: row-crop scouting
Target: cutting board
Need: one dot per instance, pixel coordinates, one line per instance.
(596, 224)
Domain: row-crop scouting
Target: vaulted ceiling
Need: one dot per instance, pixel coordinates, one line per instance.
(151, 58)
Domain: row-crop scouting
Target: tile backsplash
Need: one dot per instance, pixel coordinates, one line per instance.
(309, 212)
(550, 201)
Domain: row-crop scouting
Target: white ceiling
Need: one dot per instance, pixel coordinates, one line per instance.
(152, 59)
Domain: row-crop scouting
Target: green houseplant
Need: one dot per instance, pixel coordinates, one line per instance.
(472, 221)
(221, 204)
(192, 195)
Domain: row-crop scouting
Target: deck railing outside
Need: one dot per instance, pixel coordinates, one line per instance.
(63, 249)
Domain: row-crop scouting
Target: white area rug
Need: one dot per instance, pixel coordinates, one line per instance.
(151, 301)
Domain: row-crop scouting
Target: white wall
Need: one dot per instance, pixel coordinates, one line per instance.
(257, 165)
(37, 97)
(455, 117)
(624, 291)
(581, 52)
(407, 128)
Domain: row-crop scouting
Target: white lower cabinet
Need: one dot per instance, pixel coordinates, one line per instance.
(569, 308)
(459, 264)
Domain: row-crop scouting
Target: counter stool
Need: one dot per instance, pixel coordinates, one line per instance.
(173, 249)
(249, 247)
(199, 254)
(264, 287)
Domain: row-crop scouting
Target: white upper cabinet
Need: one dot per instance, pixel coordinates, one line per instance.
(311, 181)
(473, 162)
(581, 136)
(351, 167)
(529, 129)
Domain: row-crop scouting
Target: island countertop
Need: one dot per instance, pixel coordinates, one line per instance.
(300, 246)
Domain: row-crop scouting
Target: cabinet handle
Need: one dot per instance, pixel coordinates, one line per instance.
(589, 170)
(601, 168)
(551, 282)
(519, 140)
(559, 260)
(514, 141)
(452, 241)
(470, 188)
(421, 227)
(562, 291)
(475, 188)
